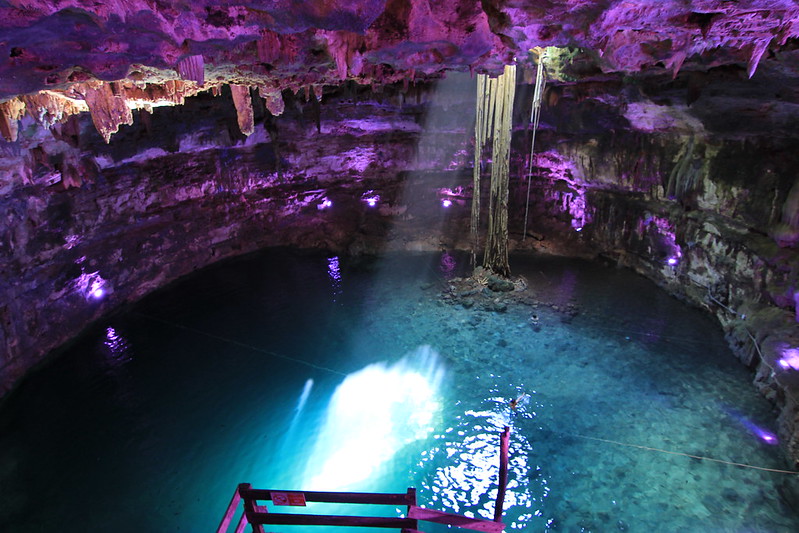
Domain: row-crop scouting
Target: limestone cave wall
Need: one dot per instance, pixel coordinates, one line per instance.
(88, 227)
(706, 212)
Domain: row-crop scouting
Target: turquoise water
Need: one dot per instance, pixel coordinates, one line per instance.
(309, 371)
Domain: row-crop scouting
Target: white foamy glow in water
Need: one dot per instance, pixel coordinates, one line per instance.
(372, 415)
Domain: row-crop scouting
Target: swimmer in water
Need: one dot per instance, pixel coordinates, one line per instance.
(518, 401)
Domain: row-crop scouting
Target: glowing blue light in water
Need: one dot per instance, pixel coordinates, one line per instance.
(306, 390)
(373, 414)
(290, 433)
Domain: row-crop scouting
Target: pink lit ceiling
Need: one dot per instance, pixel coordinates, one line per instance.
(61, 57)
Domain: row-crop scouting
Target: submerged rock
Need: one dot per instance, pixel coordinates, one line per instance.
(498, 284)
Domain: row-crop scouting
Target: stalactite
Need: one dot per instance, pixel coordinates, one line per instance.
(684, 176)
(48, 108)
(243, 103)
(192, 68)
(758, 49)
(342, 46)
(108, 108)
(273, 98)
(10, 112)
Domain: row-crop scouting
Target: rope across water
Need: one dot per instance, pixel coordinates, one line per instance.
(240, 344)
(572, 435)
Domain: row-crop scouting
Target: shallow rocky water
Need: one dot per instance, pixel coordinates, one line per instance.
(316, 372)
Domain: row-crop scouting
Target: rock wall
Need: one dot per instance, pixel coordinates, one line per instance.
(88, 227)
(708, 218)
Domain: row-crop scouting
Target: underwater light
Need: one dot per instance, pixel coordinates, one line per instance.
(373, 414)
(768, 437)
(762, 434)
(324, 204)
(672, 261)
(759, 432)
(98, 293)
(446, 203)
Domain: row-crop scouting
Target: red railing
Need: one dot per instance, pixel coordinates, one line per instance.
(258, 515)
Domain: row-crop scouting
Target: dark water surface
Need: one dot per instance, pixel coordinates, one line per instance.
(309, 371)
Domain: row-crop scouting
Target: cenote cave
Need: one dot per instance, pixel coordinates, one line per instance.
(339, 247)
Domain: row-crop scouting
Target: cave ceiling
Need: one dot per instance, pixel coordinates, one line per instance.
(65, 57)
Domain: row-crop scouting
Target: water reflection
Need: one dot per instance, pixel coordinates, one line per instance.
(466, 462)
(334, 273)
(117, 348)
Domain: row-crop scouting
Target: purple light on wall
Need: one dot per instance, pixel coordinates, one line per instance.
(70, 241)
(97, 290)
(92, 285)
(796, 305)
(568, 190)
(659, 235)
(448, 263)
(370, 198)
(789, 359)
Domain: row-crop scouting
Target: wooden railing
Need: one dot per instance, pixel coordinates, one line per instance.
(257, 515)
